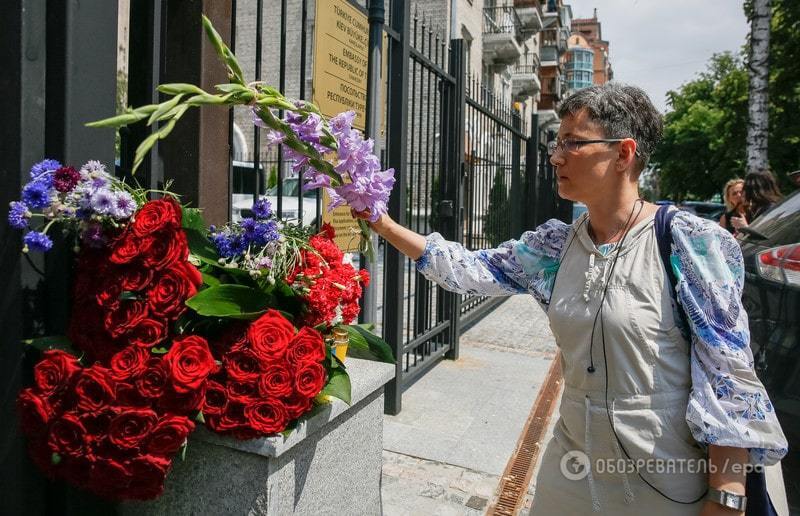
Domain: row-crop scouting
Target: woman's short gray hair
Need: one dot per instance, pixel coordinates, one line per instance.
(622, 111)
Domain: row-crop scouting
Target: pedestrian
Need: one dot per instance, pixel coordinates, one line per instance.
(761, 193)
(639, 388)
(733, 195)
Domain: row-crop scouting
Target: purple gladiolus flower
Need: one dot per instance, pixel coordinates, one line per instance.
(102, 201)
(36, 241)
(44, 166)
(275, 138)
(18, 215)
(342, 124)
(313, 179)
(36, 194)
(262, 209)
(367, 192)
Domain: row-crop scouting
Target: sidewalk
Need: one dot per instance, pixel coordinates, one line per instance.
(446, 450)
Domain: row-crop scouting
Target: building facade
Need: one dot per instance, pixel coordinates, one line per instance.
(588, 35)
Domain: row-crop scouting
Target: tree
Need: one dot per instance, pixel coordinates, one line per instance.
(497, 220)
(704, 132)
(759, 14)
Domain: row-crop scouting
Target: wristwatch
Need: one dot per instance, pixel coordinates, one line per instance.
(727, 499)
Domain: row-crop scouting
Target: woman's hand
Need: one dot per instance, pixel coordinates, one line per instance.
(714, 509)
(738, 222)
(406, 241)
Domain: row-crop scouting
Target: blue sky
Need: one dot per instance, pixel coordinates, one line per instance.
(660, 44)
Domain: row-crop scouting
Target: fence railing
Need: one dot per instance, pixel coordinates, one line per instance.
(501, 19)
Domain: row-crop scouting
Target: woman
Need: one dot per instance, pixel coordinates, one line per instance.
(761, 193)
(624, 358)
(733, 195)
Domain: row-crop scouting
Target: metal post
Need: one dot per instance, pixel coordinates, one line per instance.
(515, 198)
(531, 169)
(397, 134)
(369, 308)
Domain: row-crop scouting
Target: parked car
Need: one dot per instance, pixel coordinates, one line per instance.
(707, 210)
(771, 250)
(242, 203)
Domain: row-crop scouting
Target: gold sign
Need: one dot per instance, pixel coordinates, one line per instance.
(341, 44)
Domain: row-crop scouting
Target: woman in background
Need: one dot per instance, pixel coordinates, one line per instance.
(733, 195)
(760, 194)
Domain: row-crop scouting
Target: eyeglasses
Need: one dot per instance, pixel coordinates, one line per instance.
(570, 145)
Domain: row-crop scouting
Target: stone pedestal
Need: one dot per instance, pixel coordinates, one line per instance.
(331, 464)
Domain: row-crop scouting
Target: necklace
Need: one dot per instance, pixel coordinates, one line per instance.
(618, 229)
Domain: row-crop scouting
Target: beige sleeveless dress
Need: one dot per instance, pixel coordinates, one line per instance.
(648, 388)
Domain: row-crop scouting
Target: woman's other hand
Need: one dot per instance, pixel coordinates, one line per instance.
(738, 222)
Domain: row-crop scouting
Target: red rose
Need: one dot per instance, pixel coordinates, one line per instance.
(125, 318)
(183, 402)
(189, 363)
(128, 395)
(129, 363)
(131, 426)
(307, 346)
(232, 418)
(55, 372)
(135, 277)
(269, 335)
(169, 435)
(242, 392)
(167, 295)
(153, 381)
(75, 469)
(157, 215)
(94, 388)
(216, 399)
(129, 246)
(147, 474)
(309, 379)
(267, 417)
(108, 478)
(296, 405)
(167, 249)
(108, 294)
(34, 413)
(148, 333)
(242, 365)
(96, 422)
(67, 435)
(276, 382)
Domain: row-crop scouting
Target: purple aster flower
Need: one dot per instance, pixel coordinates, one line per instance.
(94, 236)
(94, 166)
(36, 194)
(65, 179)
(123, 206)
(18, 215)
(342, 124)
(36, 241)
(262, 209)
(102, 201)
(44, 166)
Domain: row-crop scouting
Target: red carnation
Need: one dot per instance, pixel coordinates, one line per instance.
(55, 372)
(169, 435)
(157, 215)
(94, 388)
(65, 179)
(129, 363)
(131, 426)
(269, 335)
(309, 379)
(276, 382)
(67, 435)
(34, 413)
(189, 363)
(307, 346)
(267, 417)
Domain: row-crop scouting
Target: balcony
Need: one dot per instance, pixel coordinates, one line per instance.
(525, 77)
(530, 14)
(553, 90)
(555, 37)
(501, 28)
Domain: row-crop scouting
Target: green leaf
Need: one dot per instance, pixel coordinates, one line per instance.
(201, 247)
(338, 385)
(183, 450)
(55, 459)
(159, 351)
(210, 280)
(368, 346)
(59, 342)
(164, 107)
(128, 296)
(119, 120)
(192, 218)
(232, 301)
(231, 88)
(200, 418)
(179, 88)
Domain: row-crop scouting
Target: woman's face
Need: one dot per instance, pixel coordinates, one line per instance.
(585, 174)
(736, 194)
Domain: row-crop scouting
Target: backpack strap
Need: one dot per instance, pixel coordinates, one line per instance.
(663, 226)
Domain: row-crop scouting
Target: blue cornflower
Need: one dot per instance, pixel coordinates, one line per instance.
(44, 166)
(36, 241)
(262, 209)
(265, 232)
(18, 215)
(223, 244)
(36, 195)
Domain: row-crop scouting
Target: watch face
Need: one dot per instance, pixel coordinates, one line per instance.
(731, 500)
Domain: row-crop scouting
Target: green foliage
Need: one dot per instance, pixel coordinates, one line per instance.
(367, 345)
(497, 220)
(56, 342)
(704, 132)
(784, 90)
(231, 301)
